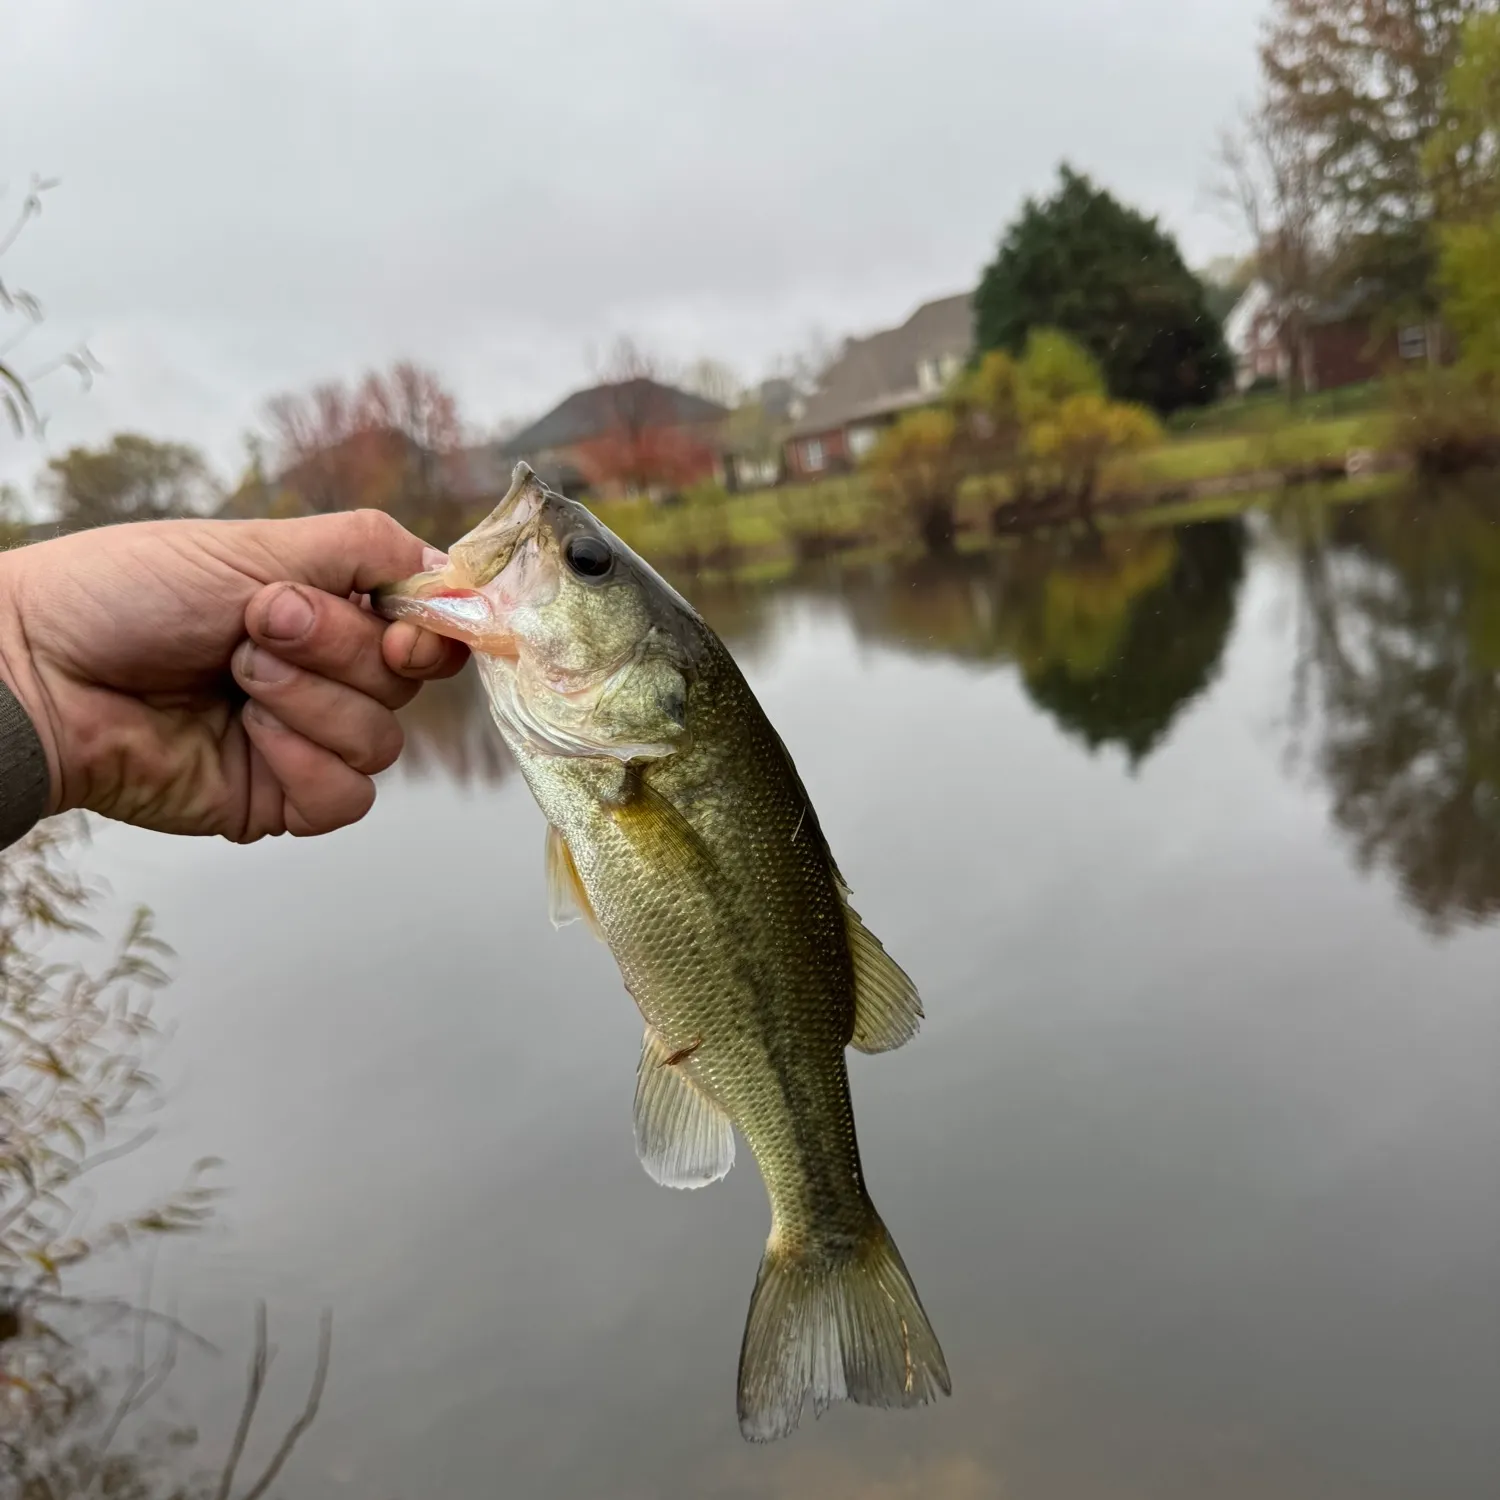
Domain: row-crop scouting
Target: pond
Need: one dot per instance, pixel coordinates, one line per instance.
(1191, 840)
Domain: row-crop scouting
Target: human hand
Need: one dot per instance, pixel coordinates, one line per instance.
(216, 677)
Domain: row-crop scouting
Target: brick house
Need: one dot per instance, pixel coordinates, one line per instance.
(873, 381)
(633, 436)
(1346, 341)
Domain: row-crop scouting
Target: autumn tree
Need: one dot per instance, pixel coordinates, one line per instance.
(1358, 85)
(1463, 167)
(649, 440)
(134, 478)
(380, 443)
(1113, 279)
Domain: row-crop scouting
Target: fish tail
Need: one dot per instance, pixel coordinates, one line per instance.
(847, 1329)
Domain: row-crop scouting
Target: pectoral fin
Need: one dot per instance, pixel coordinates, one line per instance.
(567, 900)
(887, 1010)
(684, 1140)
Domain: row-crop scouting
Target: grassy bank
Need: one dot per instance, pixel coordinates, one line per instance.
(769, 532)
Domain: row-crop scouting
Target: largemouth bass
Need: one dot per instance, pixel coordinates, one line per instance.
(678, 828)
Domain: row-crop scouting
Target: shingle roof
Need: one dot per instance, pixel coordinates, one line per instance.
(603, 408)
(879, 373)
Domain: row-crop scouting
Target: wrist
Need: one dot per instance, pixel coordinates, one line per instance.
(19, 673)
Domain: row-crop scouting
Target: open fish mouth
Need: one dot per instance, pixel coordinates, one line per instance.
(470, 596)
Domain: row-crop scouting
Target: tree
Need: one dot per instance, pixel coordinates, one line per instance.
(917, 461)
(133, 479)
(379, 444)
(15, 382)
(1114, 280)
(1044, 420)
(1358, 83)
(714, 381)
(644, 447)
(1271, 179)
(1462, 161)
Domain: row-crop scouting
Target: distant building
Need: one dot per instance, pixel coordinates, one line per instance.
(1347, 340)
(635, 435)
(874, 380)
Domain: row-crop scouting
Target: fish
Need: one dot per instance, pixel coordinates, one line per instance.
(679, 830)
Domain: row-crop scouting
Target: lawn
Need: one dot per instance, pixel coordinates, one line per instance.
(711, 531)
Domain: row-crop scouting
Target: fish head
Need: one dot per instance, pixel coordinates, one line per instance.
(584, 649)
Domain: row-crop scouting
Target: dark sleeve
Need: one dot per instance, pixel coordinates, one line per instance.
(24, 782)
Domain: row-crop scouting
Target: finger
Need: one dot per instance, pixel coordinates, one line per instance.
(328, 636)
(321, 792)
(413, 652)
(350, 552)
(364, 734)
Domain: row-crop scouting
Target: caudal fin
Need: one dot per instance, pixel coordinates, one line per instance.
(853, 1330)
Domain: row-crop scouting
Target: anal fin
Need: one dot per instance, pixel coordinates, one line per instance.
(684, 1140)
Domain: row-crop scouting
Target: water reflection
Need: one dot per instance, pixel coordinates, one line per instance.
(450, 736)
(1398, 691)
(1114, 635)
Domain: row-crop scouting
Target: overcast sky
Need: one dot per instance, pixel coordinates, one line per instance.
(255, 196)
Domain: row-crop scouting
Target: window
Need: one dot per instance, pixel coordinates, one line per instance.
(812, 455)
(929, 378)
(1411, 342)
(861, 440)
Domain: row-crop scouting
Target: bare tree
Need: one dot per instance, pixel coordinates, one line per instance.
(1271, 180)
(714, 381)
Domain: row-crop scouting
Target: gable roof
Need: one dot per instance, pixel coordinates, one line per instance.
(602, 408)
(878, 374)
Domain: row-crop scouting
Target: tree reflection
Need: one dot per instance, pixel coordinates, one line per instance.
(1126, 635)
(1398, 693)
(1113, 633)
(449, 733)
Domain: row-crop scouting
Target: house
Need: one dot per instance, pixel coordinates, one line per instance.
(874, 380)
(630, 437)
(1346, 340)
(755, 434)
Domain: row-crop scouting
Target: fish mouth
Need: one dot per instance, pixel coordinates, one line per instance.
(464, 598)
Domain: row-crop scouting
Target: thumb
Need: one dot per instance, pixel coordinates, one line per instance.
(348, 552)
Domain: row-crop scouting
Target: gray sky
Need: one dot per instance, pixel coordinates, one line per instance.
(257, 196)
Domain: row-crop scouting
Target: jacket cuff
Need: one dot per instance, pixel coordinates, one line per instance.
(24, 779)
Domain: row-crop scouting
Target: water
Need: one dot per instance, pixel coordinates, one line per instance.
(1192, 842)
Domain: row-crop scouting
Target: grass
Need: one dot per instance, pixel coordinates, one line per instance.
(766, 533)
(1268, 409)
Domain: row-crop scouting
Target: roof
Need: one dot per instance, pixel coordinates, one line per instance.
(879, 374)
(1360, 299)
(604, 408)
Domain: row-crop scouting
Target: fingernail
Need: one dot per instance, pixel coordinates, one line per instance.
(426, 651)
(432, 558)
(262, 666)
(261, 715)
(289, 614)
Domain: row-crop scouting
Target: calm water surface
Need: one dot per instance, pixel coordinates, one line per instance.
(1192, 842)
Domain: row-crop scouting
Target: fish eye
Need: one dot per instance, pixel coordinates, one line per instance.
(588, 557)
